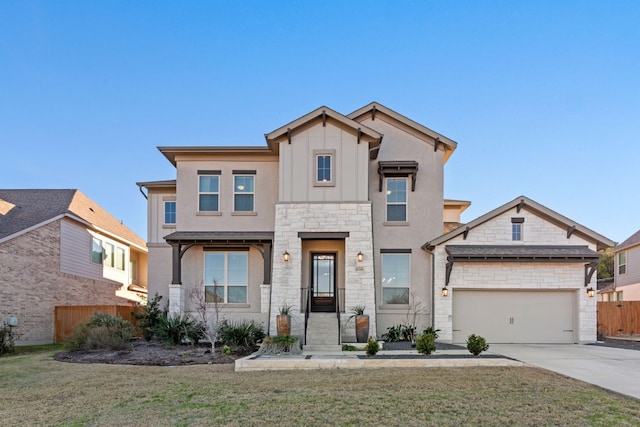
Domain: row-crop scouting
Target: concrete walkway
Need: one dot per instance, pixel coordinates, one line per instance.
(614, 369)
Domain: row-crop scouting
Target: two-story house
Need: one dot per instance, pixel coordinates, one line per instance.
(627, 271)
(332, 213)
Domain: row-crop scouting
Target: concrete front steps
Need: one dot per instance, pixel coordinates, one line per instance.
(323, 334)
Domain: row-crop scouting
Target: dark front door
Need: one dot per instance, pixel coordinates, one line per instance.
(323, 282)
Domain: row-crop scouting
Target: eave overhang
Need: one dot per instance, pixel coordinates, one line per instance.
(520, 253)
(219, 237)
(172, 152)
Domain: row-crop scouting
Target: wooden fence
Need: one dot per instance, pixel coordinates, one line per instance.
(67, 317)
(619, 317)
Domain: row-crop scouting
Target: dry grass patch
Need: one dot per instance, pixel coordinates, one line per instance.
(38, 390)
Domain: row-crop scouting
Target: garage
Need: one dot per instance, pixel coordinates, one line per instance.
(515, 316)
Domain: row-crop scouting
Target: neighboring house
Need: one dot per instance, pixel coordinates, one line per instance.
(627, 271)
(58, 247)
(332, 213)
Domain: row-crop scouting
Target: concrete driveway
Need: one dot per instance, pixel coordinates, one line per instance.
(615, 369)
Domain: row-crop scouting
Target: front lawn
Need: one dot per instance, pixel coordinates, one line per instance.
(37, 390)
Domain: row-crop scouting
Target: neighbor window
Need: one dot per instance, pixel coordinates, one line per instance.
(396, 199)
(208, 193)
(96, 251)
(169, 212)
(622, 262)
(516, 229)
(243, 193)
(619, 296)
(226, 277)
(109, 258)
(395, 278)
(120, 253)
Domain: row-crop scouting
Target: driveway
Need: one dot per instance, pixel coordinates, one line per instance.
(615, 369)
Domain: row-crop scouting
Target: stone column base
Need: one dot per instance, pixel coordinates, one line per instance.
(176, 299)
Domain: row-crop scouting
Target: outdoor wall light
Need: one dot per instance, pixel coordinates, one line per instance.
(360, 257)
(590, 292)
(285, 256)
(444, 292)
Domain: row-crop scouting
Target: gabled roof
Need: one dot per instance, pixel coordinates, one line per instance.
(375, 107)
(323, 113)
(32, 208)
(523, 202)
(631, 241)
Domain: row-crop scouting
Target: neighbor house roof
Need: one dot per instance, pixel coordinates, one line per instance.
(32, 208)
(523, 202)
(631, 241)
(374, 107)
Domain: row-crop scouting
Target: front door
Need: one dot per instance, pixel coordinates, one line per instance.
(323, 282)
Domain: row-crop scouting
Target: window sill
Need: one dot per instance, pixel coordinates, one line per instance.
(209, 213)
(168, 226)
(324, 184)
(398, 307)
(244, 213)
(231, 305)
(396, 223)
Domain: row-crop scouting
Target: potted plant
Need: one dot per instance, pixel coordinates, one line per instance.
(283, 320)
(362, 323)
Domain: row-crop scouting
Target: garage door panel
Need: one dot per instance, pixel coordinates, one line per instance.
(514, 316)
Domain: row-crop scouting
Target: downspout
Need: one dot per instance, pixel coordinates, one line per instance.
(140, 188)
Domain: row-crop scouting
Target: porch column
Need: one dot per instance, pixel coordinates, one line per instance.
(177, 265)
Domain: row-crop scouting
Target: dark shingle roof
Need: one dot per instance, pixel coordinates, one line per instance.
(219, 236)
(28, 208)
(631, 241)
(521, 252)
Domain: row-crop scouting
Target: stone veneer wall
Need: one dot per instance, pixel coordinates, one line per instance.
(31, 284)
(292, 218)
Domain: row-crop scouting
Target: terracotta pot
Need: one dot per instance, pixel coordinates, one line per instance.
(362, 328)
(283, 324)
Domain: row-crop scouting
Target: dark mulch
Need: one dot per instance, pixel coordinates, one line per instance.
(152, 353)
(406, 345)
(618, 343)
(433, 356)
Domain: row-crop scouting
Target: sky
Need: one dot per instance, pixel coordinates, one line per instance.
(542, 97)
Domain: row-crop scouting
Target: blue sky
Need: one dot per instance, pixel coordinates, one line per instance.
(543, 97)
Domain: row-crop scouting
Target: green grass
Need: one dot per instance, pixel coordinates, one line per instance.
(37, 390)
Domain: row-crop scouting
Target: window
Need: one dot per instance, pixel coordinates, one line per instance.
(619, 296)
(226, 277)
(96, 251)
(396, 199)
(243, 193)
(622, 262)
(516, 229)
(120, 258)
(208, 193)
(324, 168)
(133, 271)
(169, 212)
(395, 278)
(109, 258)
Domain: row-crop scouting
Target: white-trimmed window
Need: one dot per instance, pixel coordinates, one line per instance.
(622, 262)
(170, 212)
(396, 278)
(109, 255)
(619, 296)
(243, 193)
(324, 167)
(120, 254)
(516, 229)
(97, 252)
(208, 193)
(133, 271)
(226, 276)
(396, 191)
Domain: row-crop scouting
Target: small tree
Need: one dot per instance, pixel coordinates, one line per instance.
(208, 312)
(415, 309)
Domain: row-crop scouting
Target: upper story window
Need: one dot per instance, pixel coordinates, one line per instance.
(516, 229)
(324, 167)
(396, 199)
(622, 262)
(226, 277)
(170, 212)
(120, 255)
(243, 193)
(109, 257)
(396, 278)
(208, 191)
(96, 251)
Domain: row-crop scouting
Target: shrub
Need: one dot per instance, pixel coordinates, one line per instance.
(6, 340)
(476, 344)
(430, 330)
(245, 333)
(372, 347)
(349, 347)
(426, 343)
(101, 331)
(151, 317)
(280, 344)
(398, 333)
(174, 330)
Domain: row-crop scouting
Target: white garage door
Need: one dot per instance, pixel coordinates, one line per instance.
(514, 316)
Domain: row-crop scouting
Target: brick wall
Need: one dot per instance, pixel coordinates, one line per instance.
(31, 284)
